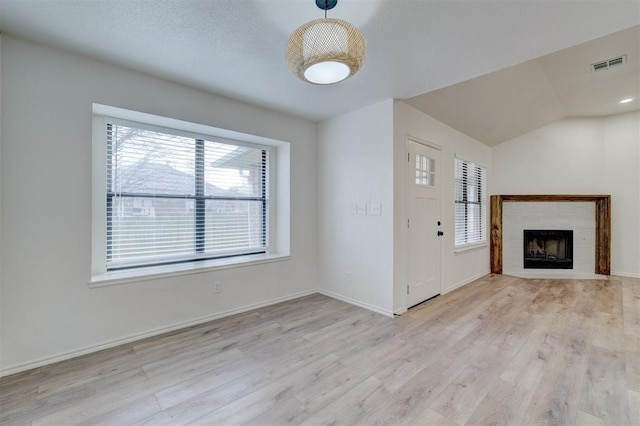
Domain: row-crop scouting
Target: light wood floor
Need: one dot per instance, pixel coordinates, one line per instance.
(501, 350)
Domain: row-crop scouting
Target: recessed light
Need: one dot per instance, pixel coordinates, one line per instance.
(626, 101)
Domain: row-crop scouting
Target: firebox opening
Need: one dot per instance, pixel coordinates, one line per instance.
(548, 249)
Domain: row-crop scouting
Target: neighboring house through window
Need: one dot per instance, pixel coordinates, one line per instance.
(173, 198)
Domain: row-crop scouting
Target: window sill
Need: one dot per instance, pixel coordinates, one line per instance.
(470, 247)
(128, 276)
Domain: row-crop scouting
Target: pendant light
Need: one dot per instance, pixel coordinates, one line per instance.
(326, 50)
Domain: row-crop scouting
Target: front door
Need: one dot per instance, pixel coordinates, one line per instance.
(424, 222)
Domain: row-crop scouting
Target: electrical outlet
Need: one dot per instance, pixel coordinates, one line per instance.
(362, 208)
(217, 287)
(354, 208)
(374, 209)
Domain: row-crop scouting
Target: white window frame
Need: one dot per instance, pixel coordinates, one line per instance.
(279, 196)
(483, 241)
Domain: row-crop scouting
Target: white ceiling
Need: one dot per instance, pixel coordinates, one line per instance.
(504, 104)
(236, 47)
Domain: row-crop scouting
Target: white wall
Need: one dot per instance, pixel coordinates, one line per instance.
(48, 310)
(355, 153)
(457, 268)
(1, 310)
(621, 169)
(362, 160)
(582, 156)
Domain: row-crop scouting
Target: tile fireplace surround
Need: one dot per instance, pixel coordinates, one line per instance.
(602, 226)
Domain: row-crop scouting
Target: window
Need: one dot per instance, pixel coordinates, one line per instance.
(470, 214)
(172, 198)
(425, 170)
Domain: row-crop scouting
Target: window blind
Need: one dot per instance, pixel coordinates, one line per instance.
(470, 204)
(172, 198)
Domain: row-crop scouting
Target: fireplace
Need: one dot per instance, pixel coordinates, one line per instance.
(602, 203)
(548, 249)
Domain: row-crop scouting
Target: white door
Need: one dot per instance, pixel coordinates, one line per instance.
(424, 223)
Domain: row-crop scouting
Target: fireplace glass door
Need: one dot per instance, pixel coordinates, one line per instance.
(548, 249)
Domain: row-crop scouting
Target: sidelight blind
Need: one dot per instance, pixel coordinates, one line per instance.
(172, 198)
(470, 203)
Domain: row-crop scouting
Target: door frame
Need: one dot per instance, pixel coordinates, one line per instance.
(406, 201)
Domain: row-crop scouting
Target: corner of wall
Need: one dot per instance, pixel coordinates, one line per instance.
(355, 171)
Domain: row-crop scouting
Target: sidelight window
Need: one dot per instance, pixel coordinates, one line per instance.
(470, 203)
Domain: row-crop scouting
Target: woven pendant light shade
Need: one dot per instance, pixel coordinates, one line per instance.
(326, 51)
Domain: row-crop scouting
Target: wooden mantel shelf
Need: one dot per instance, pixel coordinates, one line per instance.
(603, 226)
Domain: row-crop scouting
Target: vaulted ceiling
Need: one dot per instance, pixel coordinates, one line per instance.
(492, 69)
(507, 103)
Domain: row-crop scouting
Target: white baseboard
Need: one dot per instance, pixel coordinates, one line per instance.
(356, 303)
(626, 274)
(465, 282)
(17, 368)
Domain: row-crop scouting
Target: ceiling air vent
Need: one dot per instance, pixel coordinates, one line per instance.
(609, 63)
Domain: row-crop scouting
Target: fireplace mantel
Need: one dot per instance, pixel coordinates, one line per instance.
(603, 226)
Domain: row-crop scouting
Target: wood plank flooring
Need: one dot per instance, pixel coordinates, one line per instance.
(501, 350)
